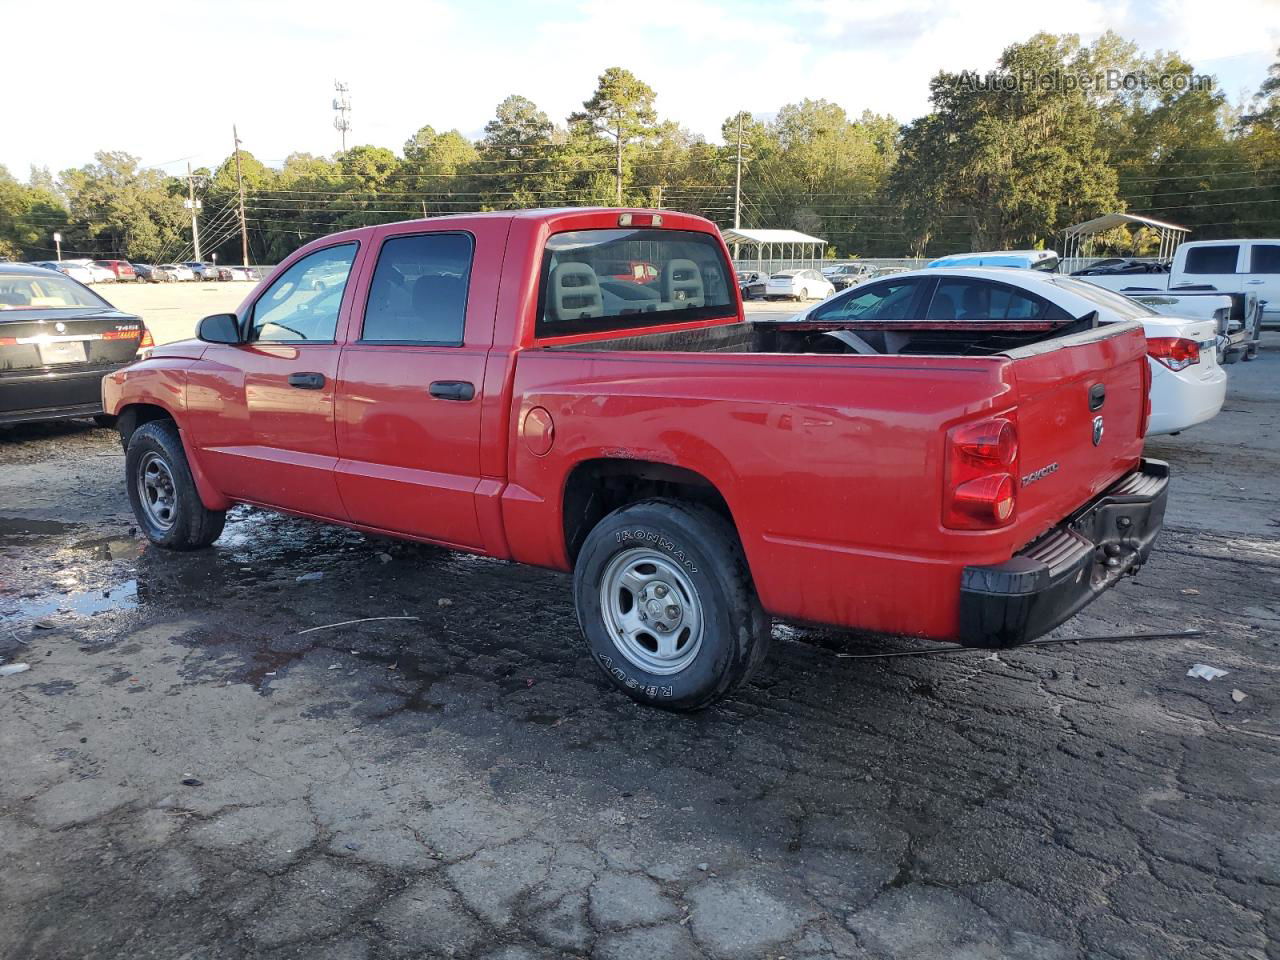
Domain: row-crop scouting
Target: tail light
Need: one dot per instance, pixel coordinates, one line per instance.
(1146, 399)
(147, 343)
(982, 464)
(1176, 353)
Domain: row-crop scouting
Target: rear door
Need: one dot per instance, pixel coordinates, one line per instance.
(1081, 412)
(1264, 275)
(409, 397)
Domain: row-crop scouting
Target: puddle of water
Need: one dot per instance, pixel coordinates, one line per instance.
(83, 603)
(112, 548)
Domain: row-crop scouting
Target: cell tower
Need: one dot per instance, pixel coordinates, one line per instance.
(342, 106)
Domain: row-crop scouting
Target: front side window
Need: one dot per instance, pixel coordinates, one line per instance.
(1212, 259)
(302, 304)
(887, 300)
(419, 290)
(1264, 258)
(617, 279)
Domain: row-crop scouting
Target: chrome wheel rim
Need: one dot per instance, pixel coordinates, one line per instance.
(156, 491)
(652, 611)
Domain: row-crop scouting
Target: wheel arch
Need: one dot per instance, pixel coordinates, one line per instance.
(596, 487)
(134, 415)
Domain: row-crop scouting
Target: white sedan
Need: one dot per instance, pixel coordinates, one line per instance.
(75, 271)
(178, 271)
(1188, 385)
(798, 285)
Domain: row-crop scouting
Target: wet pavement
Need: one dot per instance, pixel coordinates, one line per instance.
(199, 765)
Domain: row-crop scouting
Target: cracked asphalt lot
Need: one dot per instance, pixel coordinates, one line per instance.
(185, 773)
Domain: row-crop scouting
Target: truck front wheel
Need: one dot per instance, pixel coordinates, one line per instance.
(667, 606)
(162, 493)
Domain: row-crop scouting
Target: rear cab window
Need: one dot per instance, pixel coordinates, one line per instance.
(1265, 258)
(631, 278)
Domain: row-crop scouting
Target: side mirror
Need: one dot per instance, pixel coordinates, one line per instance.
(219, 328)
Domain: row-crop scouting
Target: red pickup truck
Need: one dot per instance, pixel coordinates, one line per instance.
(489, 383)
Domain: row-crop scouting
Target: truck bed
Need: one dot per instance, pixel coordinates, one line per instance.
(880, 338)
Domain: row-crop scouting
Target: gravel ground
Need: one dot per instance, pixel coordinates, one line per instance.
(187, 773)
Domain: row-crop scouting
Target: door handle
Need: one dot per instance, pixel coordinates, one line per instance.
(1253, 281)
(306, 381)
(1097, 396)
(453, 389)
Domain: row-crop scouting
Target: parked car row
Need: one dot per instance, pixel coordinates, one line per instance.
(113, 271)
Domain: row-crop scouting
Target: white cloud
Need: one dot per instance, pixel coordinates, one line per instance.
(165, 82)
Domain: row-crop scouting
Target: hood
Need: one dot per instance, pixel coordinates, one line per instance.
(182, 349)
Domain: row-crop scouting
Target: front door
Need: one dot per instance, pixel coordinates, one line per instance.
(263, 410)
(409, 384)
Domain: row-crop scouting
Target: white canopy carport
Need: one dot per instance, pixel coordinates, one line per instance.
(1078, 239)
(781, 248)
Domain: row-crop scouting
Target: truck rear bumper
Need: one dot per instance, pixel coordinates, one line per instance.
(1061, 572)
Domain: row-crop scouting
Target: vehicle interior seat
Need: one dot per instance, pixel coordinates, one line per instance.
(682, 283)
(575, 292)
(439, 305)
(975, 303)
(942, 308)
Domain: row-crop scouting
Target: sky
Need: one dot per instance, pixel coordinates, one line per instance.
(166, 82)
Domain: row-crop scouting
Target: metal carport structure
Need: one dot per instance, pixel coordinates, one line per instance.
(1078, 239)
(775, 249)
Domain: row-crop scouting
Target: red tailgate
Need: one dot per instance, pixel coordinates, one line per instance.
(1081, 412)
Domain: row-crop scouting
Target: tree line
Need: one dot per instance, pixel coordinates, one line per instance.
(1003, 161)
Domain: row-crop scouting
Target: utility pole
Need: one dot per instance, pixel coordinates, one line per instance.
(618, 173)
(244, 229)
(342, 104)
(193, 205)
(737, 185)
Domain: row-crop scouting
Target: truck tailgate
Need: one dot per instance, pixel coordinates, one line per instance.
(1082, 409)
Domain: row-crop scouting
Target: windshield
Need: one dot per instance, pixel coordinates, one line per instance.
(1118, 304)
(631, 277)
(22, 292)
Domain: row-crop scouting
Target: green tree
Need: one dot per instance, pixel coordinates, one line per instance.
(120, 210)
(621, 109)
(1011, 165)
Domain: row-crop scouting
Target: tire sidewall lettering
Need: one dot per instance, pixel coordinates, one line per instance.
(653, 538)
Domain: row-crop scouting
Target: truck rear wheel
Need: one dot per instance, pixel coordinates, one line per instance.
(162, 493)
(666, 604)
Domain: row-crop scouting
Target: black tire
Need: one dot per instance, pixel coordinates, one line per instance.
(156, 447)
(700, 548)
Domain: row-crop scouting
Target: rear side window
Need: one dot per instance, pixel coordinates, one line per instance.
(968, 299)
(887, 300)
(1264, 258)
(419, 290)
(302, 304)
(618, 279)
(1212, 259)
